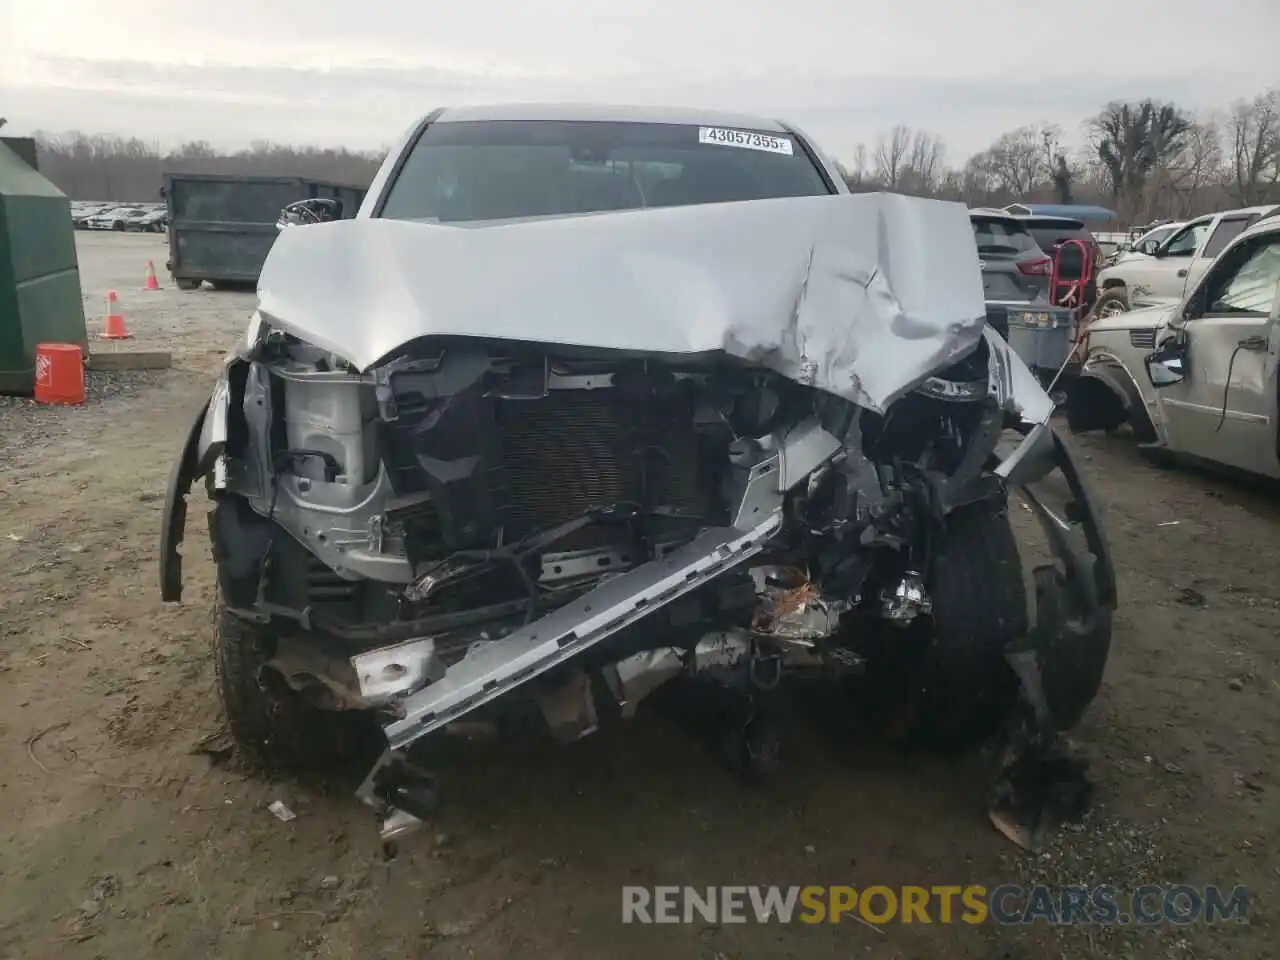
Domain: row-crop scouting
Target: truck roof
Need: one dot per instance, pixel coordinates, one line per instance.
(1269, 222)
(1262, 211)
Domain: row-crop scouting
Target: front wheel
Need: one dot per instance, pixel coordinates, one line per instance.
(271, 724)
(1114, 300)
(963, 687)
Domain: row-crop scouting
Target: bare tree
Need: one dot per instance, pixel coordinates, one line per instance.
(857, 177)
(925, 162)
(951, 186)
(1017, 161)
(1132, 141)
(1255, 147)
(118, 168)
(891, 156)
(978, 181)
(1061, 172)
(909, 161)
(860, 161)
(1196, 172)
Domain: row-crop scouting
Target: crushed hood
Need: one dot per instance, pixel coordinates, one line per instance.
(861, 296)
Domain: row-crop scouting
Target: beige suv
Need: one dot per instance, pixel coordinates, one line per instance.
(1198, 378)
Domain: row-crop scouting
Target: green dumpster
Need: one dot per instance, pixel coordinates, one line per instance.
(39, 276)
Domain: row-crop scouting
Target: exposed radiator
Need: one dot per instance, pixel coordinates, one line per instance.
(576, 450)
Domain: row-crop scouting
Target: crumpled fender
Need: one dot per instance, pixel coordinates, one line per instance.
(1107, 373)
(205, 441)
(173, 522)
(1075, 594)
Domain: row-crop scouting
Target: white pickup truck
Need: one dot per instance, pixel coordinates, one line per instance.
(1163, 276)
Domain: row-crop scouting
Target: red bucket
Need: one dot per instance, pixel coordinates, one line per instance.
(59, 373)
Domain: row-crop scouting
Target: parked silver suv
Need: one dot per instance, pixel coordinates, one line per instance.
(1014, 268)
(1016, 276)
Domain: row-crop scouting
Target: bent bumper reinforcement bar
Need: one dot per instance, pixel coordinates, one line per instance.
(490, 669)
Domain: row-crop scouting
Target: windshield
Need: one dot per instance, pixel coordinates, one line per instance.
(504, 169)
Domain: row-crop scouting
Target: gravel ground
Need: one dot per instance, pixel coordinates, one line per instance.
(130, 830)
(25, 424)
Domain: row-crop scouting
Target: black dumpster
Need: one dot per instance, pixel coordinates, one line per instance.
(221, 227)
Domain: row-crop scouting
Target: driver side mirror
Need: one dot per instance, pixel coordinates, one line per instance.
(1158, 252)
(1168, 365)
(315, 210)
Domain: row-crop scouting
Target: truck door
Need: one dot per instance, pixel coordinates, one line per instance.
(1228, 229)
(1224, 409)
(1165, 276)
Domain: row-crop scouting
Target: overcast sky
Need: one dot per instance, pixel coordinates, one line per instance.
(357, 72)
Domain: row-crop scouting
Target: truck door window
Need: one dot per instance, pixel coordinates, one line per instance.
(1152, 240)
(1162, 236)
(1248, 284)
(1185, 243)
(1228, 229)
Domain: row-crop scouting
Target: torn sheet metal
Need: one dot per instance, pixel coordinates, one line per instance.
(861, 296)
(1013, 384)
(490, 670)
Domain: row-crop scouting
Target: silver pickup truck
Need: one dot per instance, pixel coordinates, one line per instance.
(1164, 275)
(588, 399)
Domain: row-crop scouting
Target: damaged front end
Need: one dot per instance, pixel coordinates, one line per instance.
(472, 527)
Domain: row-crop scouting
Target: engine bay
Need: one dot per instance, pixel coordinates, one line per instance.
(463, 474)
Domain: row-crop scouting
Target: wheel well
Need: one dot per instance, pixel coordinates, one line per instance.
(1112, 284)
(1105, 402)
(1093, 405)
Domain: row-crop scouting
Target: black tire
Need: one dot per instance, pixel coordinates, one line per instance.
(185, 283)
(964, 686)
(118, 225)
(271, 725)
(1071, 670)
(1113, 300)
(1158, 457)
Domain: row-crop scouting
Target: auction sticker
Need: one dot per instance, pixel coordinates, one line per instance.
(748, 139)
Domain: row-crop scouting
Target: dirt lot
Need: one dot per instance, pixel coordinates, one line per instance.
(128, 832)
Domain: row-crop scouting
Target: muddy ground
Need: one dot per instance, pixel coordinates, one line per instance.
(128, 831)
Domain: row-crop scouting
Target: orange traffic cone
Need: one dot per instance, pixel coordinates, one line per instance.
(113, 327)
(152, 283)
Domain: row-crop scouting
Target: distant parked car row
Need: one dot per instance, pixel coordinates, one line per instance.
(135, 217)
